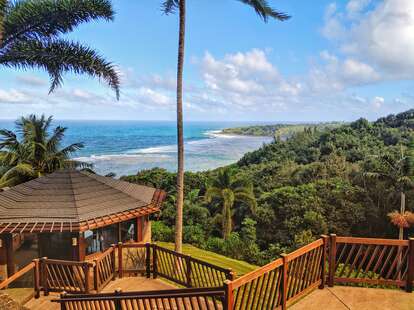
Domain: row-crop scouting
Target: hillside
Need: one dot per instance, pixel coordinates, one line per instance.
(278, 130)
(317, 181)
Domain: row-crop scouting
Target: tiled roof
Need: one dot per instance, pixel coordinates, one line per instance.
(73, 200)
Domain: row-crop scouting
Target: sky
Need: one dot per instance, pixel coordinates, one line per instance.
(333, 60)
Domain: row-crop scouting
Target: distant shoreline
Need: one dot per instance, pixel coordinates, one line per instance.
(279, 130)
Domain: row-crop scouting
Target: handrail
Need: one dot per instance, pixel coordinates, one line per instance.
(17, 275)
(374, 241)
(281, 281)
(190, 299)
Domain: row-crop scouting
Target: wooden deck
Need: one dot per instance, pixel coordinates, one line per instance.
(336, 298)
(125, 284)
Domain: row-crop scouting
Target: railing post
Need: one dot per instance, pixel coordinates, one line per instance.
(228, 295)
(87, 272)
(120, 261)
(332, 260)
(231, 275)
(36, 278)
(188, 271)
(63, 297)
(154, 261)
(113, 264)
(148, 259)
(410, 273)
(96, 276)
(44, 276)
(117, 301)
(325, 239)
(284, 281)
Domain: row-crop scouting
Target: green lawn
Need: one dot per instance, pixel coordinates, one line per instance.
(240, 267)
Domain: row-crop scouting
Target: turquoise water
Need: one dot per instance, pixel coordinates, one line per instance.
(125, 147)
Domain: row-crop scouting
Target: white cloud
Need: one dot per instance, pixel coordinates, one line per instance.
(14, 96)
(382, 36)
(31, 80)
(377, 102)
(150, 96)
(354, 7)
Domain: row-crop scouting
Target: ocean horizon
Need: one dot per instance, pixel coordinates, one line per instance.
(126, 147)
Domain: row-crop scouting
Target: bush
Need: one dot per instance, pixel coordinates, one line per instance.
(161, 232)
(194, 234)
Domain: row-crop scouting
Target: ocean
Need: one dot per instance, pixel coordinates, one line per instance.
(126, 147)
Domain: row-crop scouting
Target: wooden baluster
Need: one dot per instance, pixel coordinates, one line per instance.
(96, 277)
(410, 261)
(323, 262)
(284, 281)
(332, 260)
(188, 270)
(120, 261)
(228, 296)
(113, 264)
(148, 258)
(154, 261)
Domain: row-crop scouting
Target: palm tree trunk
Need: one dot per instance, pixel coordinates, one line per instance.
(401, 235)
(402, 210)
(180, 134)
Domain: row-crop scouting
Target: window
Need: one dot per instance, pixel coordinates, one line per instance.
(128, 230)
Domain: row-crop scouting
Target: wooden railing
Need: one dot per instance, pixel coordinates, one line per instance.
(161, 262)
(68, 276)
(332, 260)
(371, 261)
(280, 282)
(32, 267)
(186, 270)
(189, 299)
(104, 269)
(134, 258)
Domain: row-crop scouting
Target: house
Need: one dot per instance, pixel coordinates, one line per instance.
(72, 215)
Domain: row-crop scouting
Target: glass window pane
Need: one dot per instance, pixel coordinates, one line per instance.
(128, 230)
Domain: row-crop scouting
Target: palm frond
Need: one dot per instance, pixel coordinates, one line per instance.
(58, 57)
(212, 193)
(46, 19)
(264, 10)
(3, 6)
(170, 6)
(53, 143)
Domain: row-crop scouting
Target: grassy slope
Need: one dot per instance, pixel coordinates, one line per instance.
(238, 266)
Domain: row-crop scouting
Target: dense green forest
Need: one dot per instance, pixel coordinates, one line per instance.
(343, 180)
(278, 130)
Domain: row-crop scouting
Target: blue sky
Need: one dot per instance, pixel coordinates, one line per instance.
(332, 61)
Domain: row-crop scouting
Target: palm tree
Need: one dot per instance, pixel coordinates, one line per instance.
(230, 191)
(30, 33)
(265, 11)
(36, 152)
(398, 171)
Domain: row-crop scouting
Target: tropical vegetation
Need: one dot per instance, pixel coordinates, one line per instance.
(265, 12)
(315, 182)
(34, 150)
(229, 192)
(30, 38)
(281, 131)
